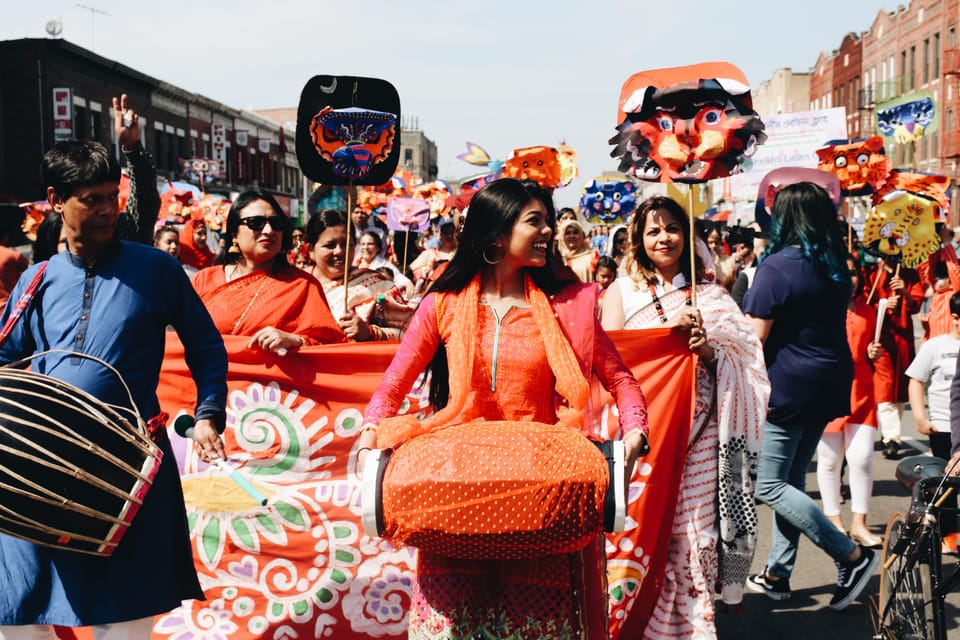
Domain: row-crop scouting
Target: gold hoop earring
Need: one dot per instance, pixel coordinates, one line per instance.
(503, 254)
(234, 248)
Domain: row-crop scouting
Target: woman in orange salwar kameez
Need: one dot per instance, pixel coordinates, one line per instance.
(255, 292)
(511, 337)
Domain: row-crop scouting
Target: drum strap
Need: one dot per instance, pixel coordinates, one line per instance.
(23, 303)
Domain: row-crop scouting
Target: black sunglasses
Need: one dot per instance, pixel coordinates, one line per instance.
(257, 223)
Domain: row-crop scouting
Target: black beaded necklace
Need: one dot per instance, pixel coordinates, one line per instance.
(659, 306)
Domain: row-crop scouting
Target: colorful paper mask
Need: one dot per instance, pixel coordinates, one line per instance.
(907, 118)
(435, 194)
(568, 164)
(353, 140)
(901, 225)
(540, 164)
(861, 165)
(408, 214)
(477, 156)
(929, 185)
(605, 200)
(686, 124)
(348, 130)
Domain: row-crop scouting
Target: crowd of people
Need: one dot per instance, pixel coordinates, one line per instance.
(503, 297)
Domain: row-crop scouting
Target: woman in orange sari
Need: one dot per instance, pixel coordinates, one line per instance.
(254, 292)
(509, 335)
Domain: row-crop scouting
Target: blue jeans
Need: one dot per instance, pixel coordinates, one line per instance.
(781, 483)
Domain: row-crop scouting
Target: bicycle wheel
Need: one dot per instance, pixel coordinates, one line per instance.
(905, 591)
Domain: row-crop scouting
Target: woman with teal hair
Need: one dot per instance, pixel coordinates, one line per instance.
(798, 305)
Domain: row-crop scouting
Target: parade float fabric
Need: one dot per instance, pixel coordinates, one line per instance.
(348, 130)
(907, 118)
(301, 567)
(607, 200)
(686, 124)
(860, 164)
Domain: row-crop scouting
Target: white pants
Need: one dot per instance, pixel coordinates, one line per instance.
(129, 630)
(856, 443)
(889, 415)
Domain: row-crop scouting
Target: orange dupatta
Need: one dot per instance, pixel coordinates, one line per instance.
(287, 299)
(460, 338)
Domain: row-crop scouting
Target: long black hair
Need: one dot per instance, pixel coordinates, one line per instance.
(803, 214)
(492, 213)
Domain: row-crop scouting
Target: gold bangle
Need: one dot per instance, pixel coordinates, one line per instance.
(369, 427)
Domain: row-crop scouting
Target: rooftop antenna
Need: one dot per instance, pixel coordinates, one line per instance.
(93, 11)
(54, 27)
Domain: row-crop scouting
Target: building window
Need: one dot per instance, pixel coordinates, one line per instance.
(159, 149)
(96, 125)
(80, 128)
(926, 60)
(936, 56)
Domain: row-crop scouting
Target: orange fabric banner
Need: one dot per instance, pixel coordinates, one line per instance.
(301, 566)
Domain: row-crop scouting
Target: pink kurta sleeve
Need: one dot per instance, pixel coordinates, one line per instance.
(617, 378)
(419, 344)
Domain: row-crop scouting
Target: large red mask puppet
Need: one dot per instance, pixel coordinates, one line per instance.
(686, 124)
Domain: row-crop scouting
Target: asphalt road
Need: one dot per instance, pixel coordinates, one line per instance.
(805, 615)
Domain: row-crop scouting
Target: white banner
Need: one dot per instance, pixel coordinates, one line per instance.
(792, 141)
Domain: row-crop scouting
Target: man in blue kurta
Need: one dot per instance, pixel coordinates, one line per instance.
(114, 300)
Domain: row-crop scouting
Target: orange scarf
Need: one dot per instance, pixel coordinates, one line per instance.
(461, 346)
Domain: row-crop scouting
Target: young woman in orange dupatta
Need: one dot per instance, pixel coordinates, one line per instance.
(194, 252)
(508, 335)
(255, 292)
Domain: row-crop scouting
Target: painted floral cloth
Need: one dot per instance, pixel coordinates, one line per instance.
(301, 567)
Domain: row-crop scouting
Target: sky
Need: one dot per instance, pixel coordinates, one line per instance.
(502, 74)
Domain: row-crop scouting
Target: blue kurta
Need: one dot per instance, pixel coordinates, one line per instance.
(118, 311)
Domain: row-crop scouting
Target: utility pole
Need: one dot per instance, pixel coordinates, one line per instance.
(93, 11)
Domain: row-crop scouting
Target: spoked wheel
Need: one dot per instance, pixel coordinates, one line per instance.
(905, 589)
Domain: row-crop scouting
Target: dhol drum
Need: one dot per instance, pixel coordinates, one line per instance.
(73, 470)
(495, 490)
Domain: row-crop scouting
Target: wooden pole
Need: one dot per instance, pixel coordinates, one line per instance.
(876, 281)
(693, 248)
(347, 263)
